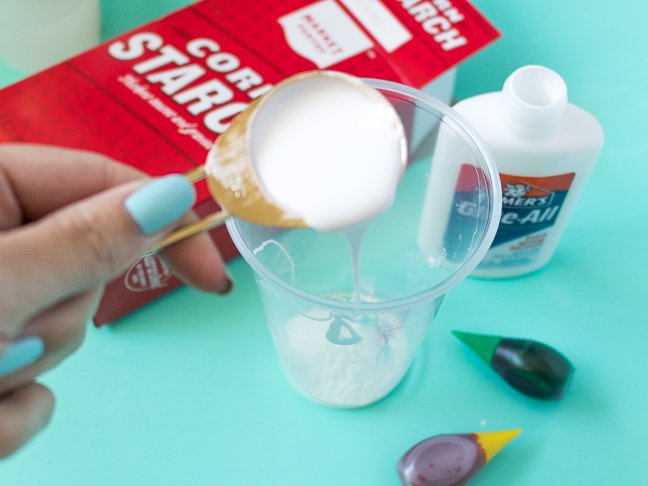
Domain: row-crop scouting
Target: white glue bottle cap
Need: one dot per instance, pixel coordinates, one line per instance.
(534, 99)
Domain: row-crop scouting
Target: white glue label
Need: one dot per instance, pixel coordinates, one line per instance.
(530, 208)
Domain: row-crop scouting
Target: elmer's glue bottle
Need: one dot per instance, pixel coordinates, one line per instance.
(544, 149)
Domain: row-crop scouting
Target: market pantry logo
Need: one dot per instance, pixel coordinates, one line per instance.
(147, 273)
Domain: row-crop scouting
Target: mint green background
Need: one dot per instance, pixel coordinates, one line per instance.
(188, 390)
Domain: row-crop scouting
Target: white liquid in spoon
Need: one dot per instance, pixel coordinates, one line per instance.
(328, 151)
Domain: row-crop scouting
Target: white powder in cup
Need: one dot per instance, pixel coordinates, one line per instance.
(345, 376)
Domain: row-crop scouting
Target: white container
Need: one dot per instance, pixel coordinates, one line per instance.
(544, 149)
(35, 34)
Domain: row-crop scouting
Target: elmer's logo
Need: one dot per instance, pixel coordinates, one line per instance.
(518, 194)
(530, 204)
(147, 273)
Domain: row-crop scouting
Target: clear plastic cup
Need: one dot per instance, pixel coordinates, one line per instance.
(347, 340)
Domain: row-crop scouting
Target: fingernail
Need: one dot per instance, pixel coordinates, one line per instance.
(21, 353)
(227, 288)
(160, 202)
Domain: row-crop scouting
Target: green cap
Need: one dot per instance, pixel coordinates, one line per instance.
(482, 344)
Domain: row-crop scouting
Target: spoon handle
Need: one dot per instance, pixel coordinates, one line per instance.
(195, 174)
(204, 224)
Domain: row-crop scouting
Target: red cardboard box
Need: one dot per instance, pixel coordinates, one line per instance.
(156, 98)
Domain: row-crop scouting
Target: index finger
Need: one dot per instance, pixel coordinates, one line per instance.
(39, 179)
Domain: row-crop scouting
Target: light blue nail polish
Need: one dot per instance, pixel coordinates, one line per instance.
(21, 353)
(160, 202)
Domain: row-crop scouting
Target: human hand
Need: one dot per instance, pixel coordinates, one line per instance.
(70, 221)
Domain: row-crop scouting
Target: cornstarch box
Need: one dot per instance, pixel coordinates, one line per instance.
(157, 97)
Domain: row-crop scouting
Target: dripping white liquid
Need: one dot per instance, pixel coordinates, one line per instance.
(354, 236)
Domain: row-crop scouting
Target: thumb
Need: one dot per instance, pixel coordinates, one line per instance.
(85, 244)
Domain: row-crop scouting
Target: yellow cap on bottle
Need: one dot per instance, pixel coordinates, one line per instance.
(492, 442)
